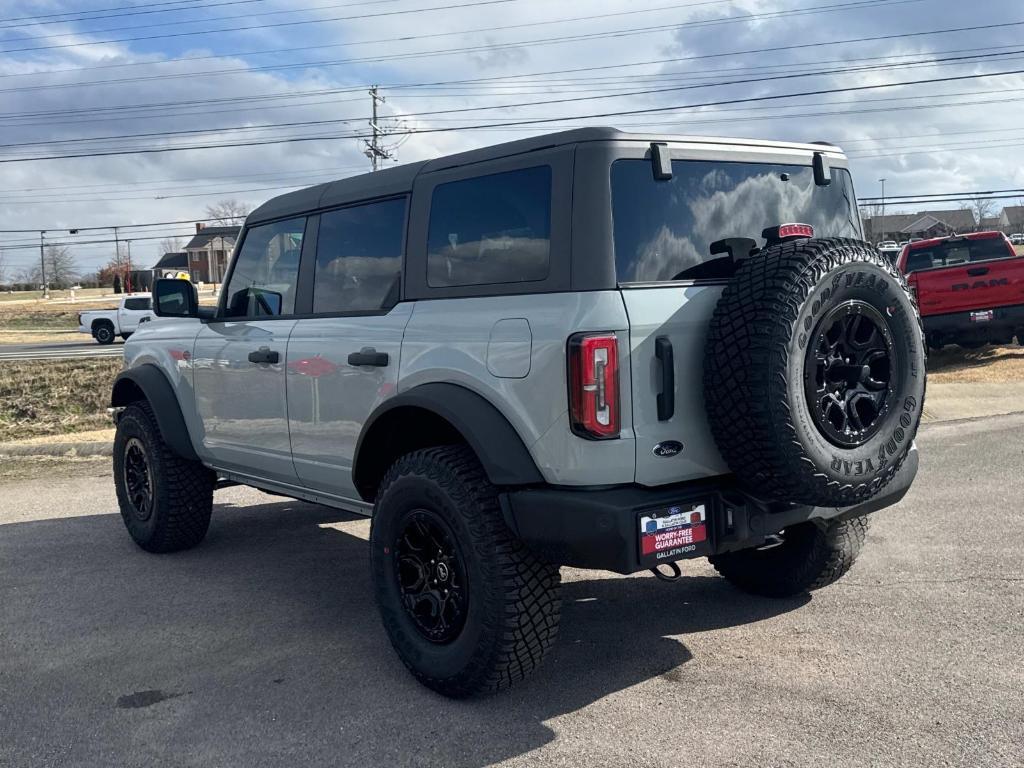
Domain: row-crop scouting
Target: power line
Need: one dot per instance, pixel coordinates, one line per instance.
(37, 19)
(376, 133)
(525, 122)
(963, 195)
(814, 10)
(273, 25)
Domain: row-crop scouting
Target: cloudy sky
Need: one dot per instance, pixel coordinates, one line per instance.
(100, 78)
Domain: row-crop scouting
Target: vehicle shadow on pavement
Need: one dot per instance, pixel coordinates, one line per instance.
(263, 647)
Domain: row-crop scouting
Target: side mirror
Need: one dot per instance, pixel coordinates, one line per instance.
(175, 298)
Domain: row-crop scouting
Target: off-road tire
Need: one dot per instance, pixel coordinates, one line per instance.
(812, 556)
(182, 497)
(761, 335)
(104, 333)
(513, 597)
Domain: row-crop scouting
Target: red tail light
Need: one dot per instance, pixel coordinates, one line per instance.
(594, 385)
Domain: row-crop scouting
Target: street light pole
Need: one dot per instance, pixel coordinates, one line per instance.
(129, 243)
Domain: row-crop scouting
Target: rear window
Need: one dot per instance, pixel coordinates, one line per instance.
(664, 230)
(491, 229)
(138, 303)
(951, 253)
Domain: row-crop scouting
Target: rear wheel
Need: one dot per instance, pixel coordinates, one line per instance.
(104, 333)
(799, 559)
(165, 500)
(467, 607)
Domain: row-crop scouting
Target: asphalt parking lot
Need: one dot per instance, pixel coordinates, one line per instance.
(263, 647)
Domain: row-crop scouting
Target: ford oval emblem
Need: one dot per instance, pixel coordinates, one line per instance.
(668, 448)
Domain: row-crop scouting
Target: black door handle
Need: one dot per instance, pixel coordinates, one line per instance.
(667, 395)
(977, 271)
(264, 355)
(368, 356)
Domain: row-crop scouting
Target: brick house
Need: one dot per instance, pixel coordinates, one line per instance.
(208, 252)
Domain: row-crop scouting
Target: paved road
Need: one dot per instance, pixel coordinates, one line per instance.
(60, 350)
(262, 647)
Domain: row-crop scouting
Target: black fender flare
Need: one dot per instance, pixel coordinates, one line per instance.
(495, 441)
(151, 383)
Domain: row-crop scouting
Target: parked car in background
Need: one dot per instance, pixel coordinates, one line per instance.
(1017, 239)
(105, 325)
(970, 288)
(887, 244)
(891, 251)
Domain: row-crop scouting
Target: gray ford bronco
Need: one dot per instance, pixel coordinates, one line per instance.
(593, 349)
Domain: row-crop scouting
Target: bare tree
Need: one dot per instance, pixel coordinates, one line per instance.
(61, 267)
(169, 245)
(3, 267)
(981, 209)
(227, 212)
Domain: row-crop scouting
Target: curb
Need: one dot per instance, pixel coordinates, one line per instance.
(57, 449)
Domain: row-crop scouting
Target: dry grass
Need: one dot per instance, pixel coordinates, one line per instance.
(56, 335)
(19, 316)
(988, 365)
(57, 397)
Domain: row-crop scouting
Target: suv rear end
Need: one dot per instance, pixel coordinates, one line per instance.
(970, 288)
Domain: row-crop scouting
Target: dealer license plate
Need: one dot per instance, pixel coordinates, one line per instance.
(672, 533)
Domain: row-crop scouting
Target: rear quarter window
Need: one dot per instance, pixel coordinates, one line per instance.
(491, 230)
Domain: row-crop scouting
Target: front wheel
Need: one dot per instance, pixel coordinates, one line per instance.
(165, 500)
(467, 606)
(799, 559)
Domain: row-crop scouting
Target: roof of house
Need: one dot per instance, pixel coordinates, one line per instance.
(911, 223)
(1014, 214)
(206, 234)
(174, 260)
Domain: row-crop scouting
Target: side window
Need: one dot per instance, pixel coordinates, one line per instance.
(359, 258)
(137, 304)
(266, 271)
(490, 229)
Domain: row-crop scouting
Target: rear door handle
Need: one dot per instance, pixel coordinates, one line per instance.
(369, 356)
(264, 355)
(977, 271)
(667, 395)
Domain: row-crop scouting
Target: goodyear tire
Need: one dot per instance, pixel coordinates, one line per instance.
(814, 372)
(467, 607)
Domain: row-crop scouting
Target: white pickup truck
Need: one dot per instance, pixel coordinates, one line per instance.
(106, 324)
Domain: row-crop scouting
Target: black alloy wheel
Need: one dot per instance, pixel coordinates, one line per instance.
(431, 576)
(138, 479)
(849, 373)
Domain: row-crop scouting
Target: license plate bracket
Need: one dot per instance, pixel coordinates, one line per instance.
(673, 532)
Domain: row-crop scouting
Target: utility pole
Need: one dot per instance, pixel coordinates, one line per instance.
(129, 273)
(42, 263)
(374, 150)
(883, 207)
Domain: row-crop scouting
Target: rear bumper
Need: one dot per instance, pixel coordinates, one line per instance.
(964, 326)
(600, 529)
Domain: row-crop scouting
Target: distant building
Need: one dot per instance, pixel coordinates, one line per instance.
(925, 224)
(1011, 220)
(208, 252)
(171, 264)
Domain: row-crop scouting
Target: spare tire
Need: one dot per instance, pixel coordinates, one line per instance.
(814, 372)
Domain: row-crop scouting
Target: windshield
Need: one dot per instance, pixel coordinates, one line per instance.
(664, 230)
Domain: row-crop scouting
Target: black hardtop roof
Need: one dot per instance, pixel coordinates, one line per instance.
(399, 180)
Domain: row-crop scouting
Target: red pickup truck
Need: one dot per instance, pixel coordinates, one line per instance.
(970, 288)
